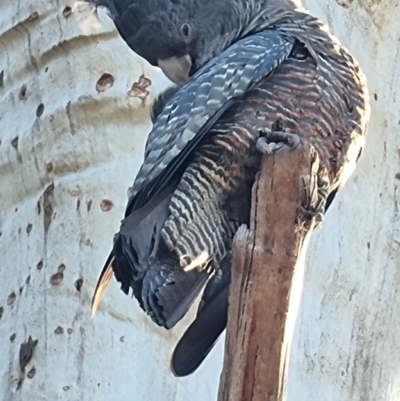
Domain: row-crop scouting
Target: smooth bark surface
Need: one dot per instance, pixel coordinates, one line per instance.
(74, 117)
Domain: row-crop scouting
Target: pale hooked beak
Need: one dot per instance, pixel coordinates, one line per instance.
(177, 69)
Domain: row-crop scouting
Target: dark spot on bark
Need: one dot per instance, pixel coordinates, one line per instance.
(344, 3)
(66, 388)
(19, 230)
(61, 268)
(59, 330)
(122, 339)
(106, 81)
(375, 96)
(28, 280)
(11, 298)
(19, 383)
(78, 284)
(49, 167)
(49, 189)
(1, 78)
(40, 110)
(397, 176)
(46, 69)
(98, 384)
(78, 204)
(26, 352)
(33, 16)
(368, 245)
(22, 93)
(67, 12)
(89, 205)
(47, 206)
(56, 278)
(69, 331)
(1, 311)
(38, 207)
(106, 205)
(12, 337)
(70, 120)
(31, 373)
(14, 143)
(21, 289)
(29, 228)
(139, 89)
(39, 265)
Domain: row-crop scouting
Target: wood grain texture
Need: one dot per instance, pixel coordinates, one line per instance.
(265, 257)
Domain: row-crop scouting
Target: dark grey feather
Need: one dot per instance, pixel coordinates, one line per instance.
(200, 337)
(200, 102)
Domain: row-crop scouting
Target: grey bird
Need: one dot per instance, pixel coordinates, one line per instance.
(263, 73)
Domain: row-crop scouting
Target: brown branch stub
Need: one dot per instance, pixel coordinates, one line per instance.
(264, 259)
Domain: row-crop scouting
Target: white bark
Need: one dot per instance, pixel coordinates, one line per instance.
(90, 144)
(346, 342)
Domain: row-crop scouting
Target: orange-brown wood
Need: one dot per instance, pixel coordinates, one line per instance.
(264, 260)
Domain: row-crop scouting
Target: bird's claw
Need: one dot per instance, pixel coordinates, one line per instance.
(272, 141)
(267, 148)
(315, 215)
(317, 192)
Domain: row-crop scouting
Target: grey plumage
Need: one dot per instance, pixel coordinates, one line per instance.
(259, 66)
(198, 104)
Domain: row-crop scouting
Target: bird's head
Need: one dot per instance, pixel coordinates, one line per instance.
(164, 38)
(180, 36)
(160, 31)
(201, 29)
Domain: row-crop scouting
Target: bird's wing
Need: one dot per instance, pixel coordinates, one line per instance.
(161, 101)
(190, 112)
(182, 123)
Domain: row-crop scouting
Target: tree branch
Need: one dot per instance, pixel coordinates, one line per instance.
(264, 260)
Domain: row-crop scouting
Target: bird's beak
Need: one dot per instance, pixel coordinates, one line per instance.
(177, 69)
(104, 279)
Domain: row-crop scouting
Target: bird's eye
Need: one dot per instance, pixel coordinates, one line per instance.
(185, 29)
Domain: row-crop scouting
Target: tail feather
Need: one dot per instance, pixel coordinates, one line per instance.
(168, 292)
(141, 261)
(102, 283)
(177, 296)
(201, 336)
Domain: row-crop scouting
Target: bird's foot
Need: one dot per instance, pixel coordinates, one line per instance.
(317, 192)
(264, 147)
(312, 214)
(270, 142)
